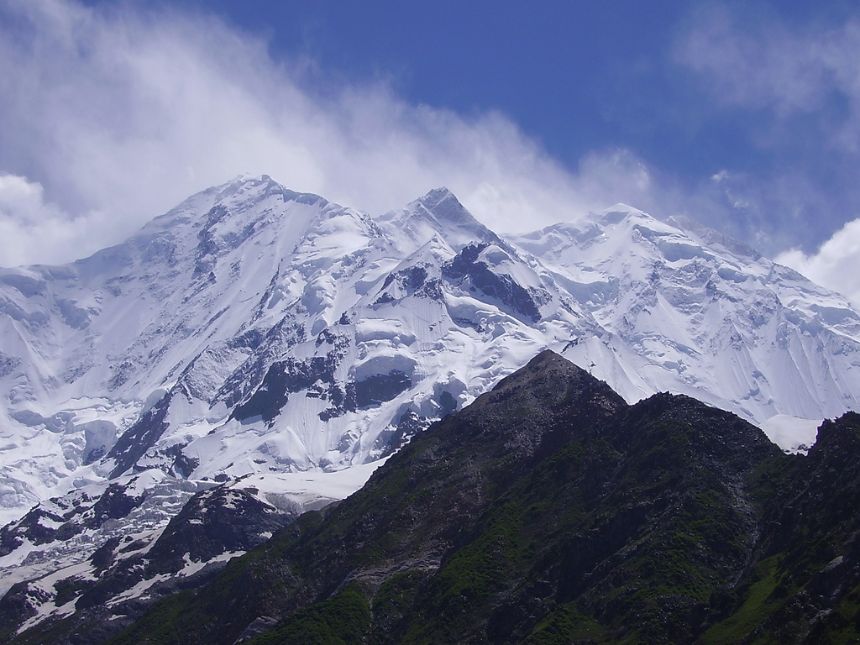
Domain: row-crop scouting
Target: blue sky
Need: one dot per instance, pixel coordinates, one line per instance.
(745, 115)
(580, 76)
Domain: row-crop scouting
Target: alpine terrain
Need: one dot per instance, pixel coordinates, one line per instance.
(547, 511)
(177, 400)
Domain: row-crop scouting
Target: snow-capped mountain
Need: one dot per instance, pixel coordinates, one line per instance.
(254, 331)
(698, 314)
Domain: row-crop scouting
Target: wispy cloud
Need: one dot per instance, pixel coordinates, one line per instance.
(120, 112)
(789, 70)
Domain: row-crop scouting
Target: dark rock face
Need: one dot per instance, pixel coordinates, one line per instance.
(181, 464)
(114, 503)
(379, 388)
(67, 518)
(412, 281)
(31, 527)
(213, 524)
(291, 376)
(466, 265)
(250, 374)
(411, 278)
(550, 511)
(141, 436)
(221, 519)
(316, 377)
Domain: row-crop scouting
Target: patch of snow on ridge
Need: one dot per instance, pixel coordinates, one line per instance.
(792, 434)
(308, 489)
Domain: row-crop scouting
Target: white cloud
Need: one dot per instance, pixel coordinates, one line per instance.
(834, 264)
(21, 200)
(31, 228)
(121, 112)
(113, 114)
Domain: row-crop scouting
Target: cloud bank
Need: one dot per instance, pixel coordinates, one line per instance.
(806, 77)
(834, 264)
(114, 114)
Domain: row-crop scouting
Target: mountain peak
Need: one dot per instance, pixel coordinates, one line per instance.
(621, 207)
(246, 182)
(240, 193)
(262, 186)
(438, 212)
(436, 196)
(548, 359)
(445, 206)
(552, 366)
(622, 212)
(550, 384)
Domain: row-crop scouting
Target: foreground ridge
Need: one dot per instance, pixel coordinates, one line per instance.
(549, 510)
(257, 352)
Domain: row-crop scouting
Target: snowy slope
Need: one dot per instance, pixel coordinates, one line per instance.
(254, 331)
(249, 288)
(704, 317)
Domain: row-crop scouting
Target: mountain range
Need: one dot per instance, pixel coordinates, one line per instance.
(258, 352)
(547, 511)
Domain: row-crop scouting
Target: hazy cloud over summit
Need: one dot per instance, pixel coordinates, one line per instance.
(116, 114)
(113, 113)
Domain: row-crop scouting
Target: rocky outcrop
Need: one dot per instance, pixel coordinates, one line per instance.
(551, 511)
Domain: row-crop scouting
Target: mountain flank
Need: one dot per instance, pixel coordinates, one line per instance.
(550, 511)
(274, 342)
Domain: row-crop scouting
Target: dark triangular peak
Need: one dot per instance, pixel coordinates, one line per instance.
(550, 511)
(531, 413)
(548, 390)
